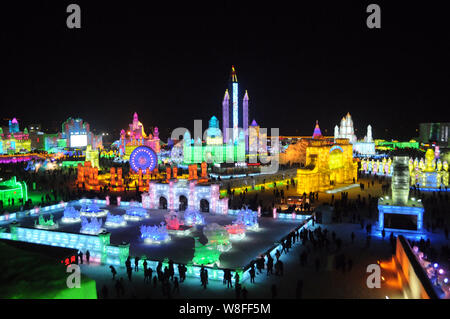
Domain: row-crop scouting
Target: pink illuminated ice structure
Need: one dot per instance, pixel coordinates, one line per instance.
(175, 225)
(155, 234)
(94, 227)
(173, 221)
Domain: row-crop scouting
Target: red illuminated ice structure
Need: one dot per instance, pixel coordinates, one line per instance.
(236, 230)
(175, 225)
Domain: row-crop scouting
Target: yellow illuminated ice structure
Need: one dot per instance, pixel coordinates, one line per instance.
(325, 163)
(429, 173)
(430, 163)
(92, 156)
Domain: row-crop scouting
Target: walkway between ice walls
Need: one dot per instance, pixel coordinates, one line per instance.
(99, 246)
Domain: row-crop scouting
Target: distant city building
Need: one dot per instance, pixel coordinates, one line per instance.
(78, 134)
(435, 132)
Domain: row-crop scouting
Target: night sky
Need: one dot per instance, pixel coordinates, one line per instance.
(171, 64)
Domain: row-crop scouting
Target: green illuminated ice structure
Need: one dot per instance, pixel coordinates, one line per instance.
(205, 254)
(218, 242)
(46, 224)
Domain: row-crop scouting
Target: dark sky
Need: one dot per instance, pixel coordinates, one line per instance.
(171, 64)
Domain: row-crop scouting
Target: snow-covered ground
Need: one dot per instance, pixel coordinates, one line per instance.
(181, 248)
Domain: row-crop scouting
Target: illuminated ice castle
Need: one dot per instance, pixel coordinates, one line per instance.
(135, 136)
(232, 119)
(346, 130)
(14, 140)
(213, 150)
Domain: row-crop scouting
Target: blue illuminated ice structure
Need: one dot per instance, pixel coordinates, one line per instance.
(71, 215)
(193, 217)
(115, 220)
(92, 210)
(400, 205)
(247, 217)
(94, 227)
(135, 212)
(155, 234)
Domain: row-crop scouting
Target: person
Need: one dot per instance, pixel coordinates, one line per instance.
(203, 278)
(182, 273)
(136, 264)
(113, 271)
(129, 273)
(269, 264)
(88, 256)
(229, 279)
(145, 264)
(171, 269)
(80, 255)
(252, 274)
(236, 278)
(244, 293)
(105, 292)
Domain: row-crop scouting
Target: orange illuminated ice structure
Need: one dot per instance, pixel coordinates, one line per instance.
(87, 176)
(116, 179)
(204, 176)
(193, 172)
